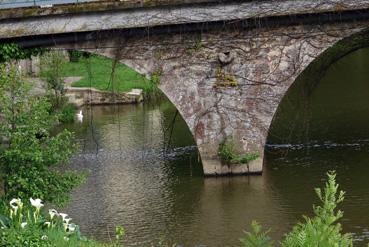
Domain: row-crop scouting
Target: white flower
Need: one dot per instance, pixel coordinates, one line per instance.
(66, 220)
(37, 203)
(23, 224)
(47, 223)
(52, 213)
(44, 237)
(63, 215)
(71, 228)
(66, 238)
(15, 203)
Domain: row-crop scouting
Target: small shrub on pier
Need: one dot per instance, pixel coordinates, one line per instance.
(228, 154)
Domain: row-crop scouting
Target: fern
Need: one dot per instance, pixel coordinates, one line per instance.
(322, 230)
(256, 238)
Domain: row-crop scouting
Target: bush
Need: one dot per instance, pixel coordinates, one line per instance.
(51, 64)
(228, 154)
(68, 113)
(28, 162)
(321, 230)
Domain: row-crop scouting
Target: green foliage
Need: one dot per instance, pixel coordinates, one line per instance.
(156, 76)
(28, 163)
(51, 64)
(198, 44)
(226, 151)
(11, 51)
(67, 113)
(224, 79)
(257, 238)
(321, 230)
(28, 237)
(228, 154)
(119, 233)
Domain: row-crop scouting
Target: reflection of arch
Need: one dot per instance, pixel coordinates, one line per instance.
(308, 79)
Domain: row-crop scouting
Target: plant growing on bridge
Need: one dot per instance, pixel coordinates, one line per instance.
(156, 76)
(320, 230)
(224, 79)
(228, 153)
(29, 154)
(197, 45)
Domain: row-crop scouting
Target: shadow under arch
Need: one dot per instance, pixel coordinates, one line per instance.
(307, 81)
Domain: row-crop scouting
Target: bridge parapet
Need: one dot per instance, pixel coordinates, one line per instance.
(108, 15)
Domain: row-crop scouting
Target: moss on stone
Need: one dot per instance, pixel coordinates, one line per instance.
(224, 79)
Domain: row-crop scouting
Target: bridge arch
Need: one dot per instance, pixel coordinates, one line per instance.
(311, 75)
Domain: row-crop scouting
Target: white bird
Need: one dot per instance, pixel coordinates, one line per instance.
(80, 116)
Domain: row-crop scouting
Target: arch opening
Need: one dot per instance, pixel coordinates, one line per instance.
(327, 106)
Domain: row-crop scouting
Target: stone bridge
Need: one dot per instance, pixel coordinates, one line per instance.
(225, 65)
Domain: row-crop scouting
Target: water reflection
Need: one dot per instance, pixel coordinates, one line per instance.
(154, 191)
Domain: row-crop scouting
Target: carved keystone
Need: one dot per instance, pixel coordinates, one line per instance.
(226, 57)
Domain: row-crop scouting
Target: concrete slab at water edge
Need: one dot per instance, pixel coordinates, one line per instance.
(91, 96)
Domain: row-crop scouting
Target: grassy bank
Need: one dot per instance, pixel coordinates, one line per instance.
(125, 78)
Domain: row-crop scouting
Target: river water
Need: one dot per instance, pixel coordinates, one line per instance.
(152, 184)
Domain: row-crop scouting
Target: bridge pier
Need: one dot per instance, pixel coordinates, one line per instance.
(214, 167)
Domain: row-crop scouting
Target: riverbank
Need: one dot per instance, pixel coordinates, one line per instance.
(80, 96)
(100, 73)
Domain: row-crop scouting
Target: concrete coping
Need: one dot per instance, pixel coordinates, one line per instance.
(96, 6)
(135, 92)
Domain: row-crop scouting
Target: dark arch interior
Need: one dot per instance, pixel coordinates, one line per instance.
(329, 101)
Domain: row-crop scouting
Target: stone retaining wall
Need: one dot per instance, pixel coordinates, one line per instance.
(87, 96)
